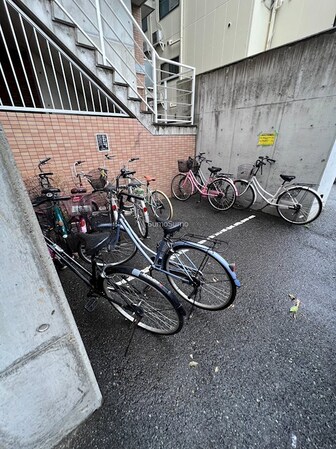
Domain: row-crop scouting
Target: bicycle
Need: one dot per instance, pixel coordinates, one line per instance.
(196, 272)
(136, 203)
(136, 296)
(158, 201)
(220, 191)
(296, 204)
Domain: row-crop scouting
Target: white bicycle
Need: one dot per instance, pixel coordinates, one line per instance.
(296, 204)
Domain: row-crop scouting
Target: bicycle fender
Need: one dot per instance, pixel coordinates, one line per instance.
(184, 245)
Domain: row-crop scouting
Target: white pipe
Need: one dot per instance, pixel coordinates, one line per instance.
(275, 6)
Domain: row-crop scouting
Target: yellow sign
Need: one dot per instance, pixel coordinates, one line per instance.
(266, 139)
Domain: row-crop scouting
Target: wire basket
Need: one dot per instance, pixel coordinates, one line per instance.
(182, 166)
(185, 165)
(78, 205)
(97, 178)
(244, 171)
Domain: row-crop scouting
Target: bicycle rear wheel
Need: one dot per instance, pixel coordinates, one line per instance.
(124, 250)
(139, 296)
(182, 188)
(245, 194)
(202, 279)
(161, 206)
(221, 194)
(299, 205)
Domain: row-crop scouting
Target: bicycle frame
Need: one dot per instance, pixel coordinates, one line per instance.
(201, 188)
(271, 200)
(155, 260)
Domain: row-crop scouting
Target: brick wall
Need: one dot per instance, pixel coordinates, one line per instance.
(67, 138)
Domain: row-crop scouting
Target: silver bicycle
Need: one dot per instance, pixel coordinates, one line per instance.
(296, 204)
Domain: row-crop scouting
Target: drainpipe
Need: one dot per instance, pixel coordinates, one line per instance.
(181, 31)
(274, 8)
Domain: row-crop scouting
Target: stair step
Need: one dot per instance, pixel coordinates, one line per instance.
(58, 16)
(105, 67)
(120, 83)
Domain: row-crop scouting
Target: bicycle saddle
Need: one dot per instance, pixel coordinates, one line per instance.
(50, 190)
(78, 190)
(287, 178)
(214, 169)
(134, 183)
(94, 242)
(149, 178)
(170, 228)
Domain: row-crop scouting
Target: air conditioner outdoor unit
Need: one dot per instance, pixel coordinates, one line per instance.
(146, 47)
(157, 37)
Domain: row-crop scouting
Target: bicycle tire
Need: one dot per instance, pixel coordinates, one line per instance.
(181, 187)
(246, 195)
(161, 206)
(226, 194)
(305, 205)
(141, 218)
(203, 268)
(162, 312)
(199, 180)
(124, 251)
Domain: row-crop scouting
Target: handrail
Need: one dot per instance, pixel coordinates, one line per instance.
(145, 84)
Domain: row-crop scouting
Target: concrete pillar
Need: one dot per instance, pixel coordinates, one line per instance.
(47, 386)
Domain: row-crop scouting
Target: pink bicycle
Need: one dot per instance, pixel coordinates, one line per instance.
(220, 191)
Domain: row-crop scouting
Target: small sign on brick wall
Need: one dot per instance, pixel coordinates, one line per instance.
(102, 142)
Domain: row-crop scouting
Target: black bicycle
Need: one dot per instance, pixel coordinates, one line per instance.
(140, 298)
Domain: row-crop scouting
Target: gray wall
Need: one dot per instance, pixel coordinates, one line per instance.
(291, 90)
(47, 386)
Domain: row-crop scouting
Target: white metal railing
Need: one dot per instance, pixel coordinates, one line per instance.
(168, 94)
(36, 75)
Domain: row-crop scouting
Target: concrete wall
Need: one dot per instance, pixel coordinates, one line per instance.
(47, 386)
(290, 90)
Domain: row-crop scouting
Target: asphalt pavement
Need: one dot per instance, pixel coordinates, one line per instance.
(264, 379)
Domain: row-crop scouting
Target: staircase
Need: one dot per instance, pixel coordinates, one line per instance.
(106, 40)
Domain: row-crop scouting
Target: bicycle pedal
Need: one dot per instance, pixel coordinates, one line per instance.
(91, 304)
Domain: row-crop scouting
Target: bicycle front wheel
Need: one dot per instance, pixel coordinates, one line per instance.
(200, 278)
(221, 194)
(161, 206)
(182, 188)
(143, 300)
(245, 195)
(299, 205)
(123, 251)
(141, 217)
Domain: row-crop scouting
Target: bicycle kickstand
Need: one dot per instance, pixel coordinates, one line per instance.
(133, 325)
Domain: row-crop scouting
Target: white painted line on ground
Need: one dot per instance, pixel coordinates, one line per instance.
(201, 242)
(228, 228)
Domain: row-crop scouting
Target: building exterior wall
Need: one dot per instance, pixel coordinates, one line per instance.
(67, 138)
(298, 19)
(214, 33)
(290, 90)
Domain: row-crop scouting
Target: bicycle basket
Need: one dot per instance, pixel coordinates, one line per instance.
(189, 164)
(182, 166)
(97, 178)
(244, 171)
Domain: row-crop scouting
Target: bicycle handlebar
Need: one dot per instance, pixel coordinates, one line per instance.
(44, 161)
